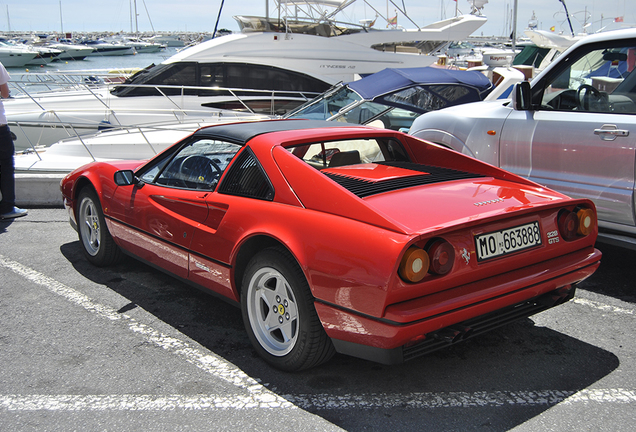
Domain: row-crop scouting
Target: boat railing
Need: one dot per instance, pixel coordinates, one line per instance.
(41, 103)
(78, 128)
(145, 132)
(51, 81)
(44, 88)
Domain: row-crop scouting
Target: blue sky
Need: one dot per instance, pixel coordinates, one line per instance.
(199, 15)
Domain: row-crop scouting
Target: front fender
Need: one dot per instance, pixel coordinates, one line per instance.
(444, 138)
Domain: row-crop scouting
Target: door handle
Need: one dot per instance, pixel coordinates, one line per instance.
(609, 132)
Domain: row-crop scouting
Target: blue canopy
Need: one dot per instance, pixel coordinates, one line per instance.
(412, 88)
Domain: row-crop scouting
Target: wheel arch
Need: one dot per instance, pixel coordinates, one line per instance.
(444, 139)
(80, 184)
(250, 248)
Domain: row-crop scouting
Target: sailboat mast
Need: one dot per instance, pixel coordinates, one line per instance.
(514, 26)
(136, 23)
(61, 21)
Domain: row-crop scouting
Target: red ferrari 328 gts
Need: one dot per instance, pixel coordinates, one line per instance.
(339, 238)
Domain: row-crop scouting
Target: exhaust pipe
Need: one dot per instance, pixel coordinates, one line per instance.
(448, 335)
(453, 333)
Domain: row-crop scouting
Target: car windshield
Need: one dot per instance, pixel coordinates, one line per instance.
(198, 165)
(328, 105)
(601, 80)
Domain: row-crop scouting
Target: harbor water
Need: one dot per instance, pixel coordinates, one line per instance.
(95, 62)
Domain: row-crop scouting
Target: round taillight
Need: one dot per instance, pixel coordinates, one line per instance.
(414, 264)
(442, 255)
(587, 221)
(568, 225)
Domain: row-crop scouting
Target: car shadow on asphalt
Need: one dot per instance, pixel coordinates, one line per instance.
(616, 275)
(488, 373)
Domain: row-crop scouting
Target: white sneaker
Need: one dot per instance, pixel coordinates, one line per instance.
(15, 213)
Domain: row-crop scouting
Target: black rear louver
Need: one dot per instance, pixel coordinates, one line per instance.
(247, 178)
(433, 174)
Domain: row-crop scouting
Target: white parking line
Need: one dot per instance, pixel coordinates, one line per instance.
(315, 401)
(127, 402)
(206, 361)
(602, 306)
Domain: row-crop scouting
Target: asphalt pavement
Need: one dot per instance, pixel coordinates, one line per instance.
(129, 348)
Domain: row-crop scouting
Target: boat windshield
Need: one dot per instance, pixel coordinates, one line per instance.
(342, 103)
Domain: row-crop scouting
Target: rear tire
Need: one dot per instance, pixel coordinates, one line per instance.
(97, 243)
(279, 313)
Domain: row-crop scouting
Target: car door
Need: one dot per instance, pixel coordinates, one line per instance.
(243, 192)
(581, 139)
(160, 214)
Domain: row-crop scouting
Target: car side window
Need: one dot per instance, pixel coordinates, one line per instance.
(599, 80)
(197, 165)
(247, 178)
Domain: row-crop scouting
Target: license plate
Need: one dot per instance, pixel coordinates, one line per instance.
(503, 242)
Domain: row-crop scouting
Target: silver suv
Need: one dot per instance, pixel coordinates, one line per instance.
(573, 129)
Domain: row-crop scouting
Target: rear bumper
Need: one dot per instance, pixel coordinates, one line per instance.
(515, 296)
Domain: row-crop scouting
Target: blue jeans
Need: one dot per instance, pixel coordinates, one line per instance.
(7, 180)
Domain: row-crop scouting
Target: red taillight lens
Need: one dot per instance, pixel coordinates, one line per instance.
(442, 255)
(568, 225)
(414, 264)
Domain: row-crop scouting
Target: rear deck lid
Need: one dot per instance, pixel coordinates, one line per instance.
(423, 198)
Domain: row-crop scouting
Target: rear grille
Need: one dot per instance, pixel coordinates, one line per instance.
(430, 174)
(482, 324)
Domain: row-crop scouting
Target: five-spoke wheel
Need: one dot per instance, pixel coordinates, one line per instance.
(97, 243)
(279, 313)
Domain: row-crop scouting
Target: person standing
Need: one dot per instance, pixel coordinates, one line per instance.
(8, 210)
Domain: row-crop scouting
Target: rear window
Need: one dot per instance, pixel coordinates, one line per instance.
(330, 154)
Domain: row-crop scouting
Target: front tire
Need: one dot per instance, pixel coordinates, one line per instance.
(279, 314)
(97, 243)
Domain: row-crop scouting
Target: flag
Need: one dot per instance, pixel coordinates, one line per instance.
(618, 19)
(392, 21)
(552, 28)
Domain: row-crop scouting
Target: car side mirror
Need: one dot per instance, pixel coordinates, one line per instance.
(521, 96)
(125, 178)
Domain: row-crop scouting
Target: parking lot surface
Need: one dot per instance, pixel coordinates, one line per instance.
(129, 348)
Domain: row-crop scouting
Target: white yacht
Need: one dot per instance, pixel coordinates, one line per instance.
(272, 66)
(103, 48)
(71, 51)
(16, 56)
(141, 46)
